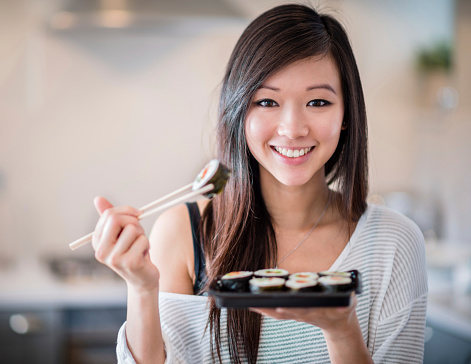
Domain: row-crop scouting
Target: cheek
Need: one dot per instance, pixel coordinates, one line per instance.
(330, 128)
(256, 132)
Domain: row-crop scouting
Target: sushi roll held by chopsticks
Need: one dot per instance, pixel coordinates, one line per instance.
(213, 173)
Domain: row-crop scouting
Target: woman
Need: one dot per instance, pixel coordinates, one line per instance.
(292, 128)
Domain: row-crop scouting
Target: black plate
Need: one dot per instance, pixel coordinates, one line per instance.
(285, 298)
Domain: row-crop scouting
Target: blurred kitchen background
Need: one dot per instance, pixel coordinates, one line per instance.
(118, 98)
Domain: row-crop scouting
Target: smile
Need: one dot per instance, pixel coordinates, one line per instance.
(292, 153)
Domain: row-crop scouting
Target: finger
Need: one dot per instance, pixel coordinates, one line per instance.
(293, 311)
(290, 313)
(262, 311)
(114, 225)
(108, 214)
(101, 204)
(135, 256)
(124, 210)
(112, 228)
(353, 299)
(351, 306)
(254, 310)
(127, 237)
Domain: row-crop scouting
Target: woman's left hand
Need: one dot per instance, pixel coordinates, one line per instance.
(332, 320)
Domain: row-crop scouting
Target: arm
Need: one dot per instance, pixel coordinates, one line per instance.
(120, 243)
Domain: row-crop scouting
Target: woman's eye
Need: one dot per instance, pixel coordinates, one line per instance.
(318, 103)
(266, 103)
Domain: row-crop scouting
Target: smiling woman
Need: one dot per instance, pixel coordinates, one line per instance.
(292, 124)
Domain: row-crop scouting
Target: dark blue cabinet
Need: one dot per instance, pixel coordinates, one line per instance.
(60, 336)
(443, 347)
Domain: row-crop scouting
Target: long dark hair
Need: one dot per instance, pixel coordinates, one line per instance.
(236, 227)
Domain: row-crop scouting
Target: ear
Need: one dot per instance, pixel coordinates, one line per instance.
(101, 204)
(344, 125)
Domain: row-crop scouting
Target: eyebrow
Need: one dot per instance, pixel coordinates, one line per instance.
(324, 86)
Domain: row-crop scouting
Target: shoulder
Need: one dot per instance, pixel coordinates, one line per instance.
(396, 254)
(175, 221)
(172, 220)
(390, 225)
(394, 243)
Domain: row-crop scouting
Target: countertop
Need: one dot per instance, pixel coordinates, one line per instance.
(32, 285)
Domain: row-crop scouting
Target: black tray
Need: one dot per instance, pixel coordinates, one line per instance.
(285, 298)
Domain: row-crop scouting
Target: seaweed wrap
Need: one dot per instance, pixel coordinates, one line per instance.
(213, 173)
(236, 281)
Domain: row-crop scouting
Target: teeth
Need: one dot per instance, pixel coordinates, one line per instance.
(293, 153)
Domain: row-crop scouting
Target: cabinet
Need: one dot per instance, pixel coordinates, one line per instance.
(442, 347)
(60, 335)
(30, 336)
(91, 335)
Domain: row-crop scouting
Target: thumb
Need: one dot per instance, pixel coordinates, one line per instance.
(101, 204)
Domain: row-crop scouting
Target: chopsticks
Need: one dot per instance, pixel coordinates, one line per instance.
(156, 206)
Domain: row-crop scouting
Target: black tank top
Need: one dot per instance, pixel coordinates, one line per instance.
(200, 263)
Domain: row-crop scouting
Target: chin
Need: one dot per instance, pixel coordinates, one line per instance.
(294, 181)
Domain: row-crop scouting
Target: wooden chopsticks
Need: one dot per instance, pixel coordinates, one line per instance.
(156, 206)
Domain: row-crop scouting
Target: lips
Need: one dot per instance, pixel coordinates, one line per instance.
(292, 152)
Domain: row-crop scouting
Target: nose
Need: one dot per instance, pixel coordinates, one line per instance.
(293, 124)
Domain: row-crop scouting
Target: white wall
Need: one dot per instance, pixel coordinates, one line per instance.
(125, 115)
(130, 115)
(416, 147)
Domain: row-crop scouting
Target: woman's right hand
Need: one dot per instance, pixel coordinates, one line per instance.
(120, 243)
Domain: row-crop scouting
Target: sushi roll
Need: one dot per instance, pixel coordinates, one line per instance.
(303, 285)
(335, 283)
(213, 173)
(270, 284)
(335, 273)
(304, 275)
(271, 273)
(236, 281)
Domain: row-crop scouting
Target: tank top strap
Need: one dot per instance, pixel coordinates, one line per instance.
(200, 263)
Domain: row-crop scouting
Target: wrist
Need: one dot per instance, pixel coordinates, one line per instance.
(143, 291)
(343, 330)
(346, 344)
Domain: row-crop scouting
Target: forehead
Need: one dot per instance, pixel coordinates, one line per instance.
(307, 72)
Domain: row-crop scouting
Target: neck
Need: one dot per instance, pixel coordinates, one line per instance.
(294, 208)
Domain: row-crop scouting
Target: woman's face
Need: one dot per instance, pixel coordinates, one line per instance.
(294, 121)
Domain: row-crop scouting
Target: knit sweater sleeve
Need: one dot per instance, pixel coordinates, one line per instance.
(124, 355)
(183, 320)
(399, 334)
